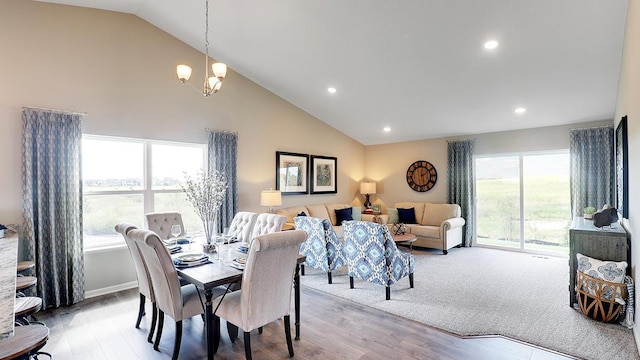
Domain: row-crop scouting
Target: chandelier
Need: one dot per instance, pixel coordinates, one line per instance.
(211, 84)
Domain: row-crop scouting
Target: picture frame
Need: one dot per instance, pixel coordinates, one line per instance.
(622, 168)
(292, 173)
(324, 171)
(376, 208)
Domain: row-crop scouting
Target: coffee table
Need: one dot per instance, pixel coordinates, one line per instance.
(405, 239)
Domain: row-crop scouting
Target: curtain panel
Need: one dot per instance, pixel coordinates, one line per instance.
(52, 204)
(592, 168)
(460, 182)
(223, 154)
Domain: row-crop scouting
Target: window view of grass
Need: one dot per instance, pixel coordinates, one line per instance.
(546, 213)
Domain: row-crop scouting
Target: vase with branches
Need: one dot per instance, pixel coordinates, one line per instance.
(206, 192)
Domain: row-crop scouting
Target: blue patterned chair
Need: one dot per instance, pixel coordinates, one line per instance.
(322, 247)
(372, 255)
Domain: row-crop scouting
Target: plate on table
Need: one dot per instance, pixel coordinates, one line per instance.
(239, 263)
(192, 257)
(173, 249)
(243, 248)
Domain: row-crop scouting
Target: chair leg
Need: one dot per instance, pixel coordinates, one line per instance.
(329, 277)
(260, 330)
(140, 311)
(411, 280)
(351, 282)
(445, 252)
(388, 288)
(176, 345)
(302, 269)
(216, 338)
(247, 345)
(159, 332)
(154, 319)
(233, 331)
(287, 333)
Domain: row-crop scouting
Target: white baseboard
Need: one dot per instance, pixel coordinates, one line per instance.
(110, 289)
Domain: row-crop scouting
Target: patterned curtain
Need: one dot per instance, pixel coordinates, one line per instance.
(592, 168)
(460, 182)
(223, 154)
(52, 204)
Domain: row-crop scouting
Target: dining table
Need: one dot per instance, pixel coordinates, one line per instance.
(220, 272)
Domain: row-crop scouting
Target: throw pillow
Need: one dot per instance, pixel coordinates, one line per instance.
(407, 216)
(356, 213)
(393, 215)
(604, 270)
(343, 215)
(302, 214)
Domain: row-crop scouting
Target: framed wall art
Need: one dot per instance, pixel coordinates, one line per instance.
(324, 171)
(622, 169)
(292, 171)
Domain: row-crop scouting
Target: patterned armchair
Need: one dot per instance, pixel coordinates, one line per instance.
(372, 255)
(322, 247)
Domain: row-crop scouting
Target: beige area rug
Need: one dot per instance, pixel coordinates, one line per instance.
(476, 291)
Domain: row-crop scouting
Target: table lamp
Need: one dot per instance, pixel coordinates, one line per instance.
(367, 188)
(270, 198)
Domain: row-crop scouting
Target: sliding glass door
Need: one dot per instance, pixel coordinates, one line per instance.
(523, 202)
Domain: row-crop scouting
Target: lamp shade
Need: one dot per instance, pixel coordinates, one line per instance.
(184, 72)
(270, 198)
(367, 188)
(219, 70)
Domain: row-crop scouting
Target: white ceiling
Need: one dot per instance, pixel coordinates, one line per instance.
(417, 66)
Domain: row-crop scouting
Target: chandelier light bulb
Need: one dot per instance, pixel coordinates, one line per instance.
(184, 72)
(219, 70)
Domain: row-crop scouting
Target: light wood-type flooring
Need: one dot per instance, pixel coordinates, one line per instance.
(332, 328)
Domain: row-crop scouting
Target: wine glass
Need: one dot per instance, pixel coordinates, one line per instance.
(175, 231)
(219, 240)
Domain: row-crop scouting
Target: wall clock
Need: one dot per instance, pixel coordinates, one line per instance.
(421, 176)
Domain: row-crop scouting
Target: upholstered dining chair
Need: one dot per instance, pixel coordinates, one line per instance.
(144, 279)
(322, 248)
(265, 295)
(242, 225)
(179, 302)
(267, 223)
(372, 255)
(161, 222)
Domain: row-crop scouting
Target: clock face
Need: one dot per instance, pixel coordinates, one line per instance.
(421, 176)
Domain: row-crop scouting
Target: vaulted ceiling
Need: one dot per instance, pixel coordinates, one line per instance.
(416, 67)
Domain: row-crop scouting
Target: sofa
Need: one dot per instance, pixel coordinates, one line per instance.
(437, 226)
(328, 211)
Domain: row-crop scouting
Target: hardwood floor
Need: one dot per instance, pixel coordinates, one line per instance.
(332, 328)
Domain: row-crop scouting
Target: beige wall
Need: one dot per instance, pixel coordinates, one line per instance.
(629, 104)
(121, 71)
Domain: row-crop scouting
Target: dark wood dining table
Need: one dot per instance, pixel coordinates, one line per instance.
(207, 277)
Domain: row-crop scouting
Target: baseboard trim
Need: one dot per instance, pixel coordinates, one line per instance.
(110, 289)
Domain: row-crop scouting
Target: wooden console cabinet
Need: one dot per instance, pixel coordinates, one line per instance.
(601, 243)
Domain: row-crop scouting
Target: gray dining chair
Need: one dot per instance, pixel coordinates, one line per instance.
(161, 222)
(242, 225)
(266, 223)
(265, 294)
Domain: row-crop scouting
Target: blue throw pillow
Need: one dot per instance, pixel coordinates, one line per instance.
(407, 216)
(343, 215)
(302, 214)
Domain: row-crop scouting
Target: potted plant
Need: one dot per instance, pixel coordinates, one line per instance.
(588, 212)
(205, 193)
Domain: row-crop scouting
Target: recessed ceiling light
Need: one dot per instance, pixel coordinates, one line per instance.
(520, 110)
(386, 129)
(331, 90)
(490, 45)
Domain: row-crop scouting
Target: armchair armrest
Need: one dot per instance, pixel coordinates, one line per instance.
(452, 223)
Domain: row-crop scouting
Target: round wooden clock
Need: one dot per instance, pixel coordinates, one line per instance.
(421, 176)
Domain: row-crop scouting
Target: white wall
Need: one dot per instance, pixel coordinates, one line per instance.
(120, 70)
(629, 104)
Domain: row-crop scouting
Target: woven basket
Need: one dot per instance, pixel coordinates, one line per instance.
(595, 305)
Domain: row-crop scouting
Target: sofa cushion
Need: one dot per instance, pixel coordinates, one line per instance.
(292, 212)
(356, 213)
(407, 216)
(393, 215)
(319, 211)
(425, 231)
(418, 207)
(343, 215)
(435, 214)
(330, 209)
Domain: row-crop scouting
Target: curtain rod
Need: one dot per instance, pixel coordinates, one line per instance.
(55, 110)
(593, 127)
(222, 131)
(464, 139)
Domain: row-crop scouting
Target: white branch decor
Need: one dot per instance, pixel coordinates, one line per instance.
(206, 193)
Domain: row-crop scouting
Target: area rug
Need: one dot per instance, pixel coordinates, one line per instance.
(479, 291)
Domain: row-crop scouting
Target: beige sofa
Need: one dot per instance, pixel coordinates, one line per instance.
(439, 225)
(327, 211)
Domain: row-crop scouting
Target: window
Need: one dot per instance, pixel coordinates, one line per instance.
(125, 178)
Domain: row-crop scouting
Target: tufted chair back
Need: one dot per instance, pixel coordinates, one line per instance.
(322, 248)
(372, 254)
(242, 224)
(160, 223)
(267, 223)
